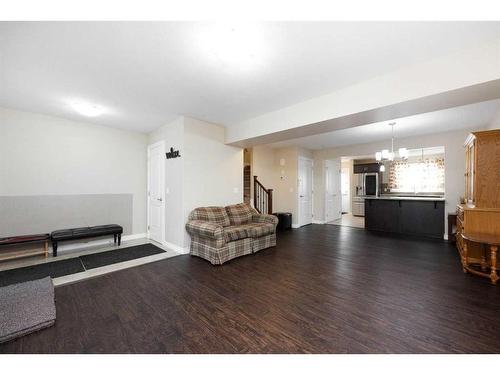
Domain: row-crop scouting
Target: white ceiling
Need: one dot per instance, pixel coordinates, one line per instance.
(473, 116)
(146, 73)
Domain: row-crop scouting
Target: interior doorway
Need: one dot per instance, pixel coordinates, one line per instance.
(156, 189)
(351, 196)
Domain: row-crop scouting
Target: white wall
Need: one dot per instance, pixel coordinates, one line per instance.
(285, 193)
(173, 135)
(213, 172)
(48, 156)
(283, 179)
(495, 123)
(263, 166)
(454, 163)
(208, 173)
(465, 68)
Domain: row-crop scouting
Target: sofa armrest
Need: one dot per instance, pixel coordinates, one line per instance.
(205, 229)
(264, 218)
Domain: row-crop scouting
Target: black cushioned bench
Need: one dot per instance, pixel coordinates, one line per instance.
(86, 232)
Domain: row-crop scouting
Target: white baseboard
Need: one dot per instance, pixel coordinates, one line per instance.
(319, 222)
(295, 226)
(138, 236)
(107, 241)
(176, 248)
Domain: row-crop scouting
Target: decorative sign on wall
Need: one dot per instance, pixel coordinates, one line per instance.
(173, 153)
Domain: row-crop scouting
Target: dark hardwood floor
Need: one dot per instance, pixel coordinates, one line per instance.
(323, 289)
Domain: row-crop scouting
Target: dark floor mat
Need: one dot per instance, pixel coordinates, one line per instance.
(53, 269)
(120, 255)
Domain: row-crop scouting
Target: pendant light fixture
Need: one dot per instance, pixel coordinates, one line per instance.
(389, 155)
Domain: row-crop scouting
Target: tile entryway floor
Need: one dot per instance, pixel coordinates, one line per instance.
(349, 220)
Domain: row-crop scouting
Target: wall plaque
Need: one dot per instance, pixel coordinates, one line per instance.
(172, 154)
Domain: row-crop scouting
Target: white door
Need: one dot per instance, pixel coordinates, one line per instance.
(305, 191)
(346, 189)
(333, 196)
(156, 188)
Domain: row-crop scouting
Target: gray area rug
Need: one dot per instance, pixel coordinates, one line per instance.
(26, 307)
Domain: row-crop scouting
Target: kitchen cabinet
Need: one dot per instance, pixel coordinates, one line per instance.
(406, 216)
(366, 168)
(382, 215)
(358, 207)
(422, 218)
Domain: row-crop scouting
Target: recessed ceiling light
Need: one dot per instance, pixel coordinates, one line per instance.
(87, 109)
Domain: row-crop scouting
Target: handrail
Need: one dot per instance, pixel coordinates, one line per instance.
(262, 197)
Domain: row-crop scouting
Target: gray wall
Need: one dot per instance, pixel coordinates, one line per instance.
(56, 173)
(50, 212)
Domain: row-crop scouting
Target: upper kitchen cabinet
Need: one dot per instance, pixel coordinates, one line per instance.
(366, 168)
(482, 171)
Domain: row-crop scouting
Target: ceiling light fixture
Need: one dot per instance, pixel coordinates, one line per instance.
(389, 155)
(87, 109)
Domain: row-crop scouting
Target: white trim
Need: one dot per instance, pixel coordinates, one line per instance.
(163, 229)
(176, 248)
(68, 279)
(445, 236)
(137, 236)
(295, 226)
(62, 247)
(319, 222)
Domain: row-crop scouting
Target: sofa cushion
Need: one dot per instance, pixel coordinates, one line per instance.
(261, 229)
(200, 228)
(217, 215)
(251, 230)
(237, 232)
(264, 218)
(240, 213)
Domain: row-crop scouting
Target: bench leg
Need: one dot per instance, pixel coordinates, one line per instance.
(54, 248)
(114, 238)
(119, 239)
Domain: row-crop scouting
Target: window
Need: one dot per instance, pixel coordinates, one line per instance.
(418, 174)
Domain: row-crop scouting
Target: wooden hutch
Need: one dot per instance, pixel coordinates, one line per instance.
(480, 213)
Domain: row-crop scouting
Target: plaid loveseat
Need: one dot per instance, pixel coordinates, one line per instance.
(219, 234)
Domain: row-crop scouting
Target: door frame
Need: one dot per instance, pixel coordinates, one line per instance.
(299, 221)
(325, 196)
(162, 177)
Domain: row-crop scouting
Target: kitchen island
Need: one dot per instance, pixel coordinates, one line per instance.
(413, 215)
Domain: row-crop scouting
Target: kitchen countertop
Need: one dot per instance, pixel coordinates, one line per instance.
(402, 198)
